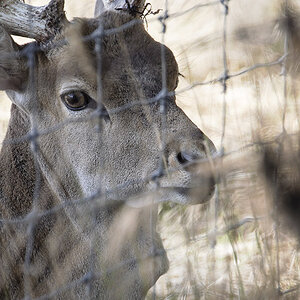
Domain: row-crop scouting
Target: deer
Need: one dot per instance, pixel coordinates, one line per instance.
(95, 143)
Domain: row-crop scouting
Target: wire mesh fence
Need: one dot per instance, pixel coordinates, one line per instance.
(244, 257)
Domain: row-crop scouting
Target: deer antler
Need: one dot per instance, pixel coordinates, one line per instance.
(40, 23)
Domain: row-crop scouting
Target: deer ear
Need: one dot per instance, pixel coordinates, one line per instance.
(99, 8)
(11, 73)
(104, 5)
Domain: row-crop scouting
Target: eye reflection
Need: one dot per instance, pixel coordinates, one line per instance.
(75, 100)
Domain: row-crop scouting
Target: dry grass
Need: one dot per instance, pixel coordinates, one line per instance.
(245, 262)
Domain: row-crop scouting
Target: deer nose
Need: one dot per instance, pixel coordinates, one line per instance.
(195, 175)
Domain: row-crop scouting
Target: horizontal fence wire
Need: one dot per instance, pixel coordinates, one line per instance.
(92, 201)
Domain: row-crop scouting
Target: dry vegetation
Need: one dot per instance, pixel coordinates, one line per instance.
(233, 247)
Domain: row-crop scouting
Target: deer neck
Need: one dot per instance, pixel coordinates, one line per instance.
(17, 172)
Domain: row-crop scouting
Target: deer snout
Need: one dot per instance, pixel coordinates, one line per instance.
(190, 171)
(190, 152)
(200, 169)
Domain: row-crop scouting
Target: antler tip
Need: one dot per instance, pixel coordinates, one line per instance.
(40, 23)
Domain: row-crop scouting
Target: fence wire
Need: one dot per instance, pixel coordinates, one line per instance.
(33, 137)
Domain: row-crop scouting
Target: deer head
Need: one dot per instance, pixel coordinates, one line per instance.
(96, 98)
(65, 88)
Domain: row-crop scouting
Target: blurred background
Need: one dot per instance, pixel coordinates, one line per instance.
(234, 247)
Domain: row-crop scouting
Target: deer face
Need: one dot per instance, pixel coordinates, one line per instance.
(102, 111)
(108, 134)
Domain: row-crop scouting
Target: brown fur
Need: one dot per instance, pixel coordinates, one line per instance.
(77, 159)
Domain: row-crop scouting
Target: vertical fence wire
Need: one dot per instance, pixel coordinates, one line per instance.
(224, 79)
(101, 115)
(32, 218)
(225, 74)
(282, 140)
(163, 121)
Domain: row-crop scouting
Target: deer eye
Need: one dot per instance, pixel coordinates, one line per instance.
(75, 100)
